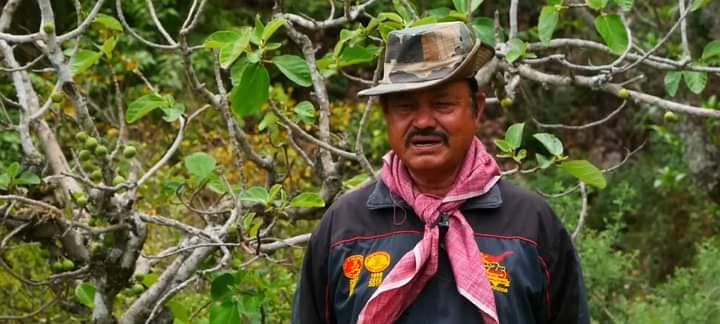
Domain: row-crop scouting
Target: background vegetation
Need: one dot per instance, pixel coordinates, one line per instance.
(163, 161)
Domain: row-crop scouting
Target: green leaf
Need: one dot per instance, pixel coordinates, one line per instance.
(222, 286)
(551, 143)
(28, 178)
(256, 35)
(356, 55)
(521, 155)
(275, 190)
(216, 184)
(252, 92)
(542, 161)
(461, 5)
(200, 164)
(612, 30)
(268, 121)
(514, 134)
(547, 22)
(222, 38)
(108, 46)
(108, 22)
(272, 27)
(150, 279)
(294, 68)
(173, 112)
(180, 312)
(83, 60)
(237, 70)
(596, 4)
(305, 112)
(626, 5)
(503, 145)
(225, 313)
(697, 4)
(485, 30)
(230, 53)
(672, 82)
(516, 49)
(145, 105)
(85, 294)
(13, 170)
(711, 50)
(585, 172)
(308, 200)
(255, 194)
(4, 181)
(424, 21)
(356, 181)
(402, 10)
(695, 81)
(555, 2)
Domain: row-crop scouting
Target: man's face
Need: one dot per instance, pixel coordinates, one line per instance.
(432, 129)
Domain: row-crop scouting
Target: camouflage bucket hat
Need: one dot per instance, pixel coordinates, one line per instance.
(424, 56)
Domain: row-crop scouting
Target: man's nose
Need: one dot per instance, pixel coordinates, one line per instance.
(424, 118)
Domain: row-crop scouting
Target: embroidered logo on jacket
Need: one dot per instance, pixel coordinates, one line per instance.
(376, 263)
(497, 274)
(351, 269)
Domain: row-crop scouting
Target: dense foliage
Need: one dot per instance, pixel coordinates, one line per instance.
(165, 162)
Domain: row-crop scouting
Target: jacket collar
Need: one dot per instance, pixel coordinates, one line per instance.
(381, 197)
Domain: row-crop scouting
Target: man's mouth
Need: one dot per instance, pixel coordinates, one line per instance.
(426, 141)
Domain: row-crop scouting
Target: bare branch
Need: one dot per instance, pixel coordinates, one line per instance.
(299, 131)
(584, 126)
(583, 212)
(598, 84)
(33, 202)
(312, 24)
(154, 17)
(123, 21)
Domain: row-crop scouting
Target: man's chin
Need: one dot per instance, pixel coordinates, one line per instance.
(425, 163)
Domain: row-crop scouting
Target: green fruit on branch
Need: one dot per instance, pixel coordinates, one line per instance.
(49, 28)
(118, 180)
(56, 97)
(57, 266)
(81, 136)
(68, 264)
(91, 143)
(137, 289)
(624, 93)
(101, 150)
(129, 152)
(670, 117)
(506, 102)
(85, 155)
(88, 166)
(96, 175)
(80, 199)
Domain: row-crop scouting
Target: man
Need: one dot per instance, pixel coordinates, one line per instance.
(439, 238)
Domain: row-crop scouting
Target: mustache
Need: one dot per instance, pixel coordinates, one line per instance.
(425, 132)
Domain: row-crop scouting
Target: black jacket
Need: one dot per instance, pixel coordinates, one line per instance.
(529, 259)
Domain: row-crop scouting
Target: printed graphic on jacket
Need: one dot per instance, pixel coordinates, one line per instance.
(497, 273)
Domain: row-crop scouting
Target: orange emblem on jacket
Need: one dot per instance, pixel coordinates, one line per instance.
(376, 263)
(351, 269)
(497, 274)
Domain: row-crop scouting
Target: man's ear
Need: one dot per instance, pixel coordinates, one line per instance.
(479, 107)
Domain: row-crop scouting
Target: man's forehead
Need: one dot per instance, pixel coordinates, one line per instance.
(453, 88)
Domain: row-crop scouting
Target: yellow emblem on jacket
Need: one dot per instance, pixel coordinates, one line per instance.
(376, 263)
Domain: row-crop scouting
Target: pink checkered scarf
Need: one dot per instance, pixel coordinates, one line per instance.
(406, 280)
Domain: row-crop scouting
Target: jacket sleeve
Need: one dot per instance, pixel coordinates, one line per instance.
(567, 297)
(310, 305)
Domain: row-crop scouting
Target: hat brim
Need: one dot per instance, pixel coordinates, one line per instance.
(465, 69)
